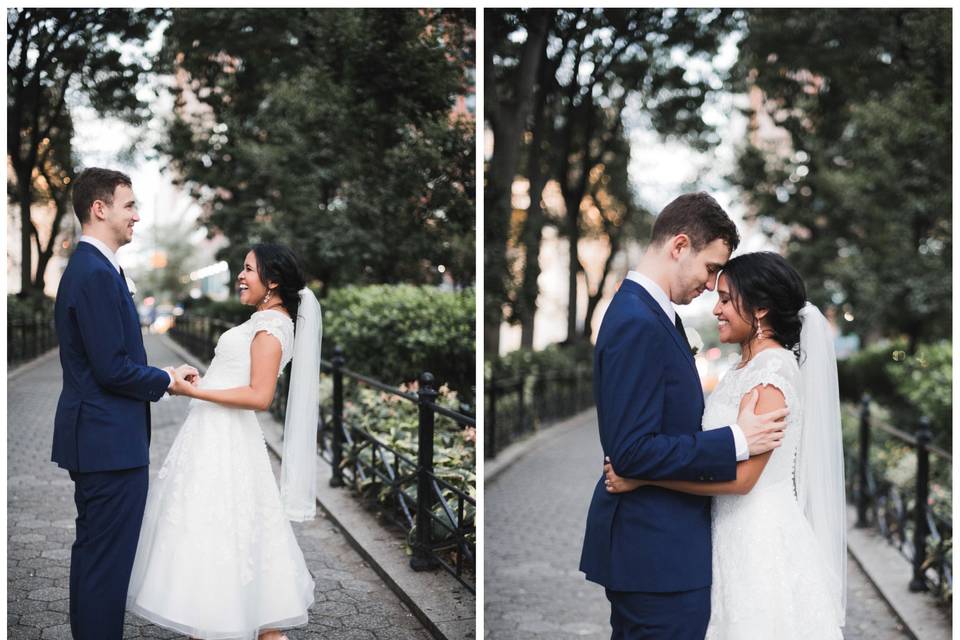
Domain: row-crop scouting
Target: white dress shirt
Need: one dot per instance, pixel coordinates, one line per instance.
(112, 257)
(661, 297)
(104, 249)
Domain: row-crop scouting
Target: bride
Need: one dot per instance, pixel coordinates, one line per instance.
(217, 557)
(779, 538)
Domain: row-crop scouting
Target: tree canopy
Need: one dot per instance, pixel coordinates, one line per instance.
(332, 131)
(57, 58)
(864, 187)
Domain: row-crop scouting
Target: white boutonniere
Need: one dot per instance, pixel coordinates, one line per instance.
(131, 287)
(696, 342)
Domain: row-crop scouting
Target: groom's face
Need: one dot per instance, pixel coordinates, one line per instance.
(697, 271)
(121, 214)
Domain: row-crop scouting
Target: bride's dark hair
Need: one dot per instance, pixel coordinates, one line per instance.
(277, 263)
(764, 280)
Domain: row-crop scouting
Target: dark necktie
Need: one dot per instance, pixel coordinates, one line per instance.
(679, 323)
(124, 278)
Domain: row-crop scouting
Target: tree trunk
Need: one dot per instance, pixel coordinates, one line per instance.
(526, 307)
(508, 121)
(24, 188)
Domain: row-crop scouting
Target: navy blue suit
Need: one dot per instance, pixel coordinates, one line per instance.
(651, 547)
(102, 435)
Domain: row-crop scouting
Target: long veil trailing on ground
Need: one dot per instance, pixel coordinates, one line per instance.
(298, 471)
(820, 480)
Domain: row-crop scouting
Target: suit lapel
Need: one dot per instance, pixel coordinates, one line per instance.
(664, 320)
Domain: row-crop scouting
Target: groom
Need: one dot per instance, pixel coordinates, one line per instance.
(651, 548)
(102, 425)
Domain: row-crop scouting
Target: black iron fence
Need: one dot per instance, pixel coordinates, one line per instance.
(519, 405)
(29, 335)
(906, 517)
(438, 517)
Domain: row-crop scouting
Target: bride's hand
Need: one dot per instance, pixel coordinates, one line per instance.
(184, 382)
(616, 484)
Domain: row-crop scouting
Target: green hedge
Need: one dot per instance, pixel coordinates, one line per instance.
(395, 332)
(391, 332)
(908, 386)
(19, 307)
(556, 357)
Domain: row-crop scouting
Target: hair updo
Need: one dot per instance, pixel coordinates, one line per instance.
(278, 264)
(764, 280)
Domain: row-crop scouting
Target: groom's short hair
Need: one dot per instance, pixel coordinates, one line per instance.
(94, 184)
(698, 216)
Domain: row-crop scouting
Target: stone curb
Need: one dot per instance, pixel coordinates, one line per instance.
(890, 573)
(514, 452)
(33, 364)
(443, 605)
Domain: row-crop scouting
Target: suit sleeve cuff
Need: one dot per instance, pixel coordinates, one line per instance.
(740, 443)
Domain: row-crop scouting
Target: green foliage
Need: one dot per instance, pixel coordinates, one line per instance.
(27, 306)
(863, 189)
(395, 333)
(392, 333)
(330, 131)
(56, 59)
(925, 381)
(556, 357)
(908, 386)
(394, 422)
(866, 372)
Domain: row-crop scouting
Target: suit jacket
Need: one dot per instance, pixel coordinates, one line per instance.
(649, 409)
(103, 415)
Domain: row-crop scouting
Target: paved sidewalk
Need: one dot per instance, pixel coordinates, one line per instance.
(352, 603)
(535, 512)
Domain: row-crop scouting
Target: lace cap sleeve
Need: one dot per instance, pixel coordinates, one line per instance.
(777, 368)
(280, 327)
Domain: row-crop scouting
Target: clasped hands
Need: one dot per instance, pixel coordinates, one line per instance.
(763, 432)
(185, 378)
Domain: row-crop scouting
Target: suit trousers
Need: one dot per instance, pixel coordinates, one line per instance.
(110, 508)
(681, 615)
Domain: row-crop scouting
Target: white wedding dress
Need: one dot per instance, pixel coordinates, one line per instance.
(217, 557)
(770, 579)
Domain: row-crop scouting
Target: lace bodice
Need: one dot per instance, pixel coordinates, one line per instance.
(231, 358)
(777, 367)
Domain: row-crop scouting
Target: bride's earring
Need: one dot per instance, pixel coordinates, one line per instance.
(759, 333)
(266, 298)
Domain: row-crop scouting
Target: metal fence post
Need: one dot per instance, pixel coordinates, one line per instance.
(918, 583)
(422, 558)
(336, 480)
(862, 495)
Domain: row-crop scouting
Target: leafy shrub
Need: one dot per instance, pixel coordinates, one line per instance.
(394, 422)
(908, 386)
(395, 332)
(925, 381)
(391, 332)
(27, 306)
(866, 372)
(556, 357)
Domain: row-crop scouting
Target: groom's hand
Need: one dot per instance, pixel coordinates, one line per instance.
(764, 432)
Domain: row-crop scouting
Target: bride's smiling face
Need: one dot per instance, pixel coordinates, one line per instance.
(733, 328)
(249, 286)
